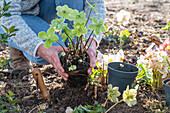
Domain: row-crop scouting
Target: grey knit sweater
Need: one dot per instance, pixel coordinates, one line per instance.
(25, 38)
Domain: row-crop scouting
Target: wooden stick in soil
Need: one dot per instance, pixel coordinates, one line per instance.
(95, 91)
(39, 80)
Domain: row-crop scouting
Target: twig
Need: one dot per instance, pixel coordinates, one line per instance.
(70, 24)
(88, 17)
(87, 85)
(95, 91)
(69, 38)
(88, 39)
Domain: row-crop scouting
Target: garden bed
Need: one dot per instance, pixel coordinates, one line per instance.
(62, 96)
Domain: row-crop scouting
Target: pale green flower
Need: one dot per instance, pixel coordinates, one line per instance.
(113, 93)
(129, 96)
(58, 23)
(63, 11)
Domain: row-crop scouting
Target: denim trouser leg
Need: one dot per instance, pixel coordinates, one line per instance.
(41, 22)
(37, 25)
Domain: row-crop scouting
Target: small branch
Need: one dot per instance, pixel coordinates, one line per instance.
(113, 106)
(70, 39)
(88, 17)
(88, 46)
(70, 24)
(88, 39)
(63, 49)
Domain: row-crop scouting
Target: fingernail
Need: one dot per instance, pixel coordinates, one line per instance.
(66, 75)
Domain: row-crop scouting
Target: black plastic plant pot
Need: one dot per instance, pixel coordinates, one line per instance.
(121, 74)
(167, 91)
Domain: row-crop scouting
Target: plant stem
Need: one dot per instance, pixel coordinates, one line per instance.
(167, 61)
(105, 102)
(88, 39)
(88, 46)
(113, 106)
(63, 49)
(70, 24)
(69, 38)
(88, 17)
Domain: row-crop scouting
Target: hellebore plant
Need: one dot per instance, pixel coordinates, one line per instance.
(76, 31)
(154, 65)
(129, 96)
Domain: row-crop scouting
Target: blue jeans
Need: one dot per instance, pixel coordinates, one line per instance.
(42, 21)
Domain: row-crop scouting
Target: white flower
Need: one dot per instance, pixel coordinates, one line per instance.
(69, 110)
(142, 60)
(164, 72)
(123, 17)
(119, 56)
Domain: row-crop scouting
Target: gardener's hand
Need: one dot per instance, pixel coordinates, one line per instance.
(51, 55)
(92, 53)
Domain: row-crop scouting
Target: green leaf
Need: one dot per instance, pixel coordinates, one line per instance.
(6, 29)
(12, 35)
(95, 20)
(92, 27)
(11, 29)
(47, 44)
(54, 38)
(6, 7)
(103, 29)
(7, 14)
(97, 31)
(4, 4)
(50, 32)
(43, 35)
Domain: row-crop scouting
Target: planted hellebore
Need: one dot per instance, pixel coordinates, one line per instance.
(76, 57)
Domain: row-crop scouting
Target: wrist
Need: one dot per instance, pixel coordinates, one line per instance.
(39, 50)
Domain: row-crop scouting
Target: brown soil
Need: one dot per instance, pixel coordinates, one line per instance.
(79, 76)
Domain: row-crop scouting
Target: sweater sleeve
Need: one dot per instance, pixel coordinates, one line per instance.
(25, 38)
(101, 9)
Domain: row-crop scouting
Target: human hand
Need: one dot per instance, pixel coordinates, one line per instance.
(92, 54)
(51, 55)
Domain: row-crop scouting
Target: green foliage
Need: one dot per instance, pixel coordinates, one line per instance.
(78, 29)
(97, 26)
(4, 62)
(5, 8)
(155, 106)
(89, 109)
(167, 28)
(8, 103)
(50, 37)
(98, 75)
(9, 32)
(144, 76)
(129, 96)
(72, 68)
(117, 36)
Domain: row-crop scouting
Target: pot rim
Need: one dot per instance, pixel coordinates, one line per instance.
(123, 71)
(165, 81)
